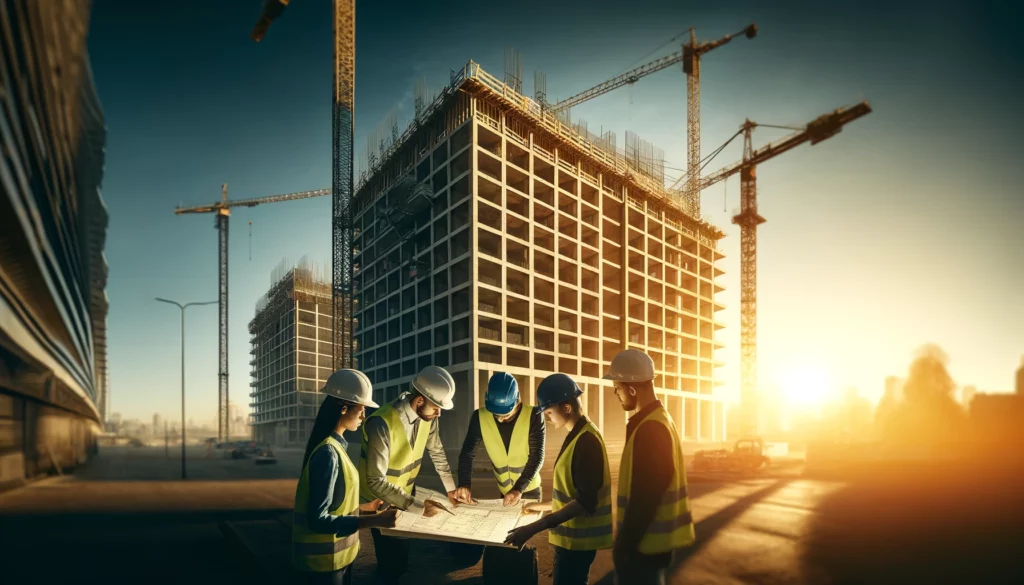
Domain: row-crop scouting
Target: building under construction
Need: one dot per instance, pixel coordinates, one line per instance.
(290, 339)
(492, 236)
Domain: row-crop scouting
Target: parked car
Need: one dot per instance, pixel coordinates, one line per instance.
(747, 455)
(260, 452)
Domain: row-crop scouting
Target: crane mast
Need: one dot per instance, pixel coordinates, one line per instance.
(819, 129)
(342, 132)
(222, 211)
(341, 210)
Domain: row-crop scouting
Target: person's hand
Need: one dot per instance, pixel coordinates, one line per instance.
(452, 497)
(431, 509)
(512, 498)
(371, 506)
(535, 507)
(385, 519)
(464, 495)
(518, 537)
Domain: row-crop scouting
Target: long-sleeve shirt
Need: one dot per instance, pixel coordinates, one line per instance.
(536, 443)
(379, 446)
(326, 492)
(652, 474)
(587, 466)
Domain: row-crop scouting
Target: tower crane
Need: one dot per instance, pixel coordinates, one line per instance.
(222, 210)
(819, 129)
(343, 108)
(689, 56)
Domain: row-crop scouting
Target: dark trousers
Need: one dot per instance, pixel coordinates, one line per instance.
(640, 575)
(392, 556)
(572, 567)
(342, 577)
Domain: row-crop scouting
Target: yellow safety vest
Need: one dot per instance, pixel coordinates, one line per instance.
(403, 459)
(313, 551)
(508, 465)
(672, 526)
(589, 531)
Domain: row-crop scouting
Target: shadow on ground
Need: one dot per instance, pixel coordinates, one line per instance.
(953, 522)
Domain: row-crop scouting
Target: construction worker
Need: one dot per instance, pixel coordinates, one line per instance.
(513, 435)
(580, 522)
(395, 437)
(325, 537)
(654, 517)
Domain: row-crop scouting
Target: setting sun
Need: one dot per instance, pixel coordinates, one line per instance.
(806, 385)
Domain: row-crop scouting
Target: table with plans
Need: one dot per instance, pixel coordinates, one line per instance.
(486, 523)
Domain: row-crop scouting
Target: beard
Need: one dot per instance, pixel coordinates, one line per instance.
(421, 412)
(628, 402)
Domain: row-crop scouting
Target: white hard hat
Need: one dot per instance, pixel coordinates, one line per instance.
(631, 365)
(436, 385)
(351, 386)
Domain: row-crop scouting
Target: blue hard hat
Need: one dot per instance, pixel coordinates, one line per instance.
(502, 394)
(556, 388)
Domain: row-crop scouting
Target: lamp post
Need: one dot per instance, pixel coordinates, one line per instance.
(182, 308)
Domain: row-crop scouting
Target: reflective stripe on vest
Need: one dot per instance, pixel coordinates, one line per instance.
(508, 465)
(404, 460)
(590, 531)
(313, 551)
(672, 526)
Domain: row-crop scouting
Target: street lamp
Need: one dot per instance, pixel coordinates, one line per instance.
(183, 307)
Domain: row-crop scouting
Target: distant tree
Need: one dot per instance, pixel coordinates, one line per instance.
(928, 412)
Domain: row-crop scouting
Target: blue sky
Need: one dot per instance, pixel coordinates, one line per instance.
(904, 229)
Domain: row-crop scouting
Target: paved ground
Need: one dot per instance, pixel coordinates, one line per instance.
(125, 518)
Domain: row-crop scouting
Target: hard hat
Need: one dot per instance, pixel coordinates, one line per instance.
(436, 385)
(350, 386)
(631, 365)
(502, 394)
(556, 388)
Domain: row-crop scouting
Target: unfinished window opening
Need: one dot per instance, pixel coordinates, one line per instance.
(590, 327)
(568, 365)
(490, 301)
(488, 165)
(489, 215)
(567, 298)
(590, 304)
(543, 340)
(544, 264)
(517, 204)
(590, 258)
(517, 282)
(545, 193)
(460, 329)
(461, 301)
(543, 238)
(567, 204)
(543, 290)
(489, 329)
(636, 285)
(636, 333)
(612, 277)
(543, 169)
(518, 358)
(516, 334)
(488, 243)
(490, 273)
(544, 216)
(567, 271)
(516, 179)
(543, 316)
(544, 362)
(518, 309)
(567, 321)
(488, 191)
(488, 140)
(490, 353)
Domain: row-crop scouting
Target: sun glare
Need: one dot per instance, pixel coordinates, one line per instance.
(806, 386)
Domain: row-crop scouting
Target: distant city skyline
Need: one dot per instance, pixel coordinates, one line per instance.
(900, 231)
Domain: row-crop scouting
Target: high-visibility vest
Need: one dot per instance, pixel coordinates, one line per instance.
(312, 551)
(588, 531)
(403, 459)
(672, 526)
(508, 465)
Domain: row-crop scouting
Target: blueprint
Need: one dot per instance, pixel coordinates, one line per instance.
(487, 522)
